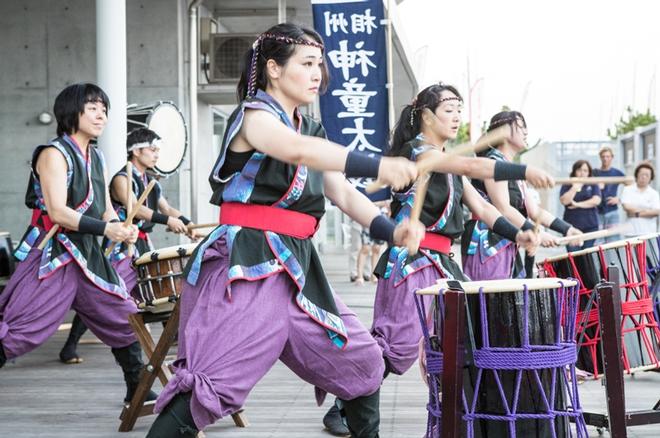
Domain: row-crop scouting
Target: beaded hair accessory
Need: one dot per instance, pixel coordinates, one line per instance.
(445, 99)
(502, 122)
(252, 82)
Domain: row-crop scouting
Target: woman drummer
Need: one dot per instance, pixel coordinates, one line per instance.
(424, 128)
(142, 148)
(487, 255)
(255, 290)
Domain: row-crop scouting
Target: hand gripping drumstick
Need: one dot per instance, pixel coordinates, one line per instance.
(129, 217)
(129, 193)
(495, 137)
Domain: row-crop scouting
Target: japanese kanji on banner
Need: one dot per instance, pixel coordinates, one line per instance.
(354, 109)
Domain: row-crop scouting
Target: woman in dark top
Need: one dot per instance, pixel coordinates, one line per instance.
(255, 290)
(485, 254)
(581, 202)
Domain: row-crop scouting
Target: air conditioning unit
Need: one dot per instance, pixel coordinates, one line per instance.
(227, 54)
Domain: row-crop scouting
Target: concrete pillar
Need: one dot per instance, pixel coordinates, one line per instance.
(111, 77)
(281, 11)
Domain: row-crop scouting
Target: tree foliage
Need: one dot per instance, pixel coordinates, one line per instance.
(634, 119)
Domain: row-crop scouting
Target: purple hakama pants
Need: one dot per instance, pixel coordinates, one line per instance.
(31, 309)
(230, 341)
(396, 326)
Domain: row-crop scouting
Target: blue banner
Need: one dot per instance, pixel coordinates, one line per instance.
(354, 108)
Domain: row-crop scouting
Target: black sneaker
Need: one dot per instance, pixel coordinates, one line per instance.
(334, 423)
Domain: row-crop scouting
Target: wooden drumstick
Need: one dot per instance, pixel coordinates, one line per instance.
(198, 226)
(420, 195)
(129, 193)
(48, 236)
(596, 180)
(129, 217)
(495, 137)
(208, 225)
(593, 235)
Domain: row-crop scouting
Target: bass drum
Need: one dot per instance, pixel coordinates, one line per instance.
(165, 119)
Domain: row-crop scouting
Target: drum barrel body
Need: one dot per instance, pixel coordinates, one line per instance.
(639, 324)
(587, 269)
(160, 274)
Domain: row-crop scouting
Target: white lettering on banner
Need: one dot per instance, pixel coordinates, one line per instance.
(363, 23)
(360, 141)
(335, 23)
(346, 60)
(354, 99)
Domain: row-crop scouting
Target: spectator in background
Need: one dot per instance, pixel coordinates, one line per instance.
(608, 210)
(641, 202)
(370, 249)
(356, 231)
(581, 203)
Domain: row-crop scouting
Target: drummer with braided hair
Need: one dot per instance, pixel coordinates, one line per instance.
(143, 148)
(487, 255)
(422, 131)
(255, 290)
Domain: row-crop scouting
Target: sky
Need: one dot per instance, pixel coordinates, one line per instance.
(571, 67)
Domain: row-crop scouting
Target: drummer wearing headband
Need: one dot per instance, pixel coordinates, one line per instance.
(62, 265)
(142, 147)
(487, 255)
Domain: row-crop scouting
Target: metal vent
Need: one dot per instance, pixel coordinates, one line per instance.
(227, 55)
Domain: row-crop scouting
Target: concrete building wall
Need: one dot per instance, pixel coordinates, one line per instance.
(48, 45)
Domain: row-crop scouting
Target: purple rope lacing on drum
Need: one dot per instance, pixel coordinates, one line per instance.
(434, 362)
(558, 358)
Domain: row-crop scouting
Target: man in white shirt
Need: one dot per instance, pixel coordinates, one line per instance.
(641, 202)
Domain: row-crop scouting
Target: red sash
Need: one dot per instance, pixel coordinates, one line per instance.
(436, 242)
(267, 218)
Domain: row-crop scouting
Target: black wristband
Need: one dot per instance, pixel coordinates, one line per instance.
(505, 171)
(359, 164)
(382, 228)
(505, 228)
(112, 221)
(159, 218)
(89, 225)
(527, 226)
(560, 226)
(184, 219)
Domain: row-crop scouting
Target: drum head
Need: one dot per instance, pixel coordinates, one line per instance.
(165, 119)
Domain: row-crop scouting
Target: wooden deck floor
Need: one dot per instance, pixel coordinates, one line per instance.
(40, 397)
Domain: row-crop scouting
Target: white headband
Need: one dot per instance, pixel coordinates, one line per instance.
(145, 144)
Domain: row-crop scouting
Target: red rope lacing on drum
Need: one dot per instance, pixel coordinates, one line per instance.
(637, 307)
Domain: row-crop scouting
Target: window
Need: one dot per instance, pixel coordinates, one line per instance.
(648, 145)
(629, 152)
